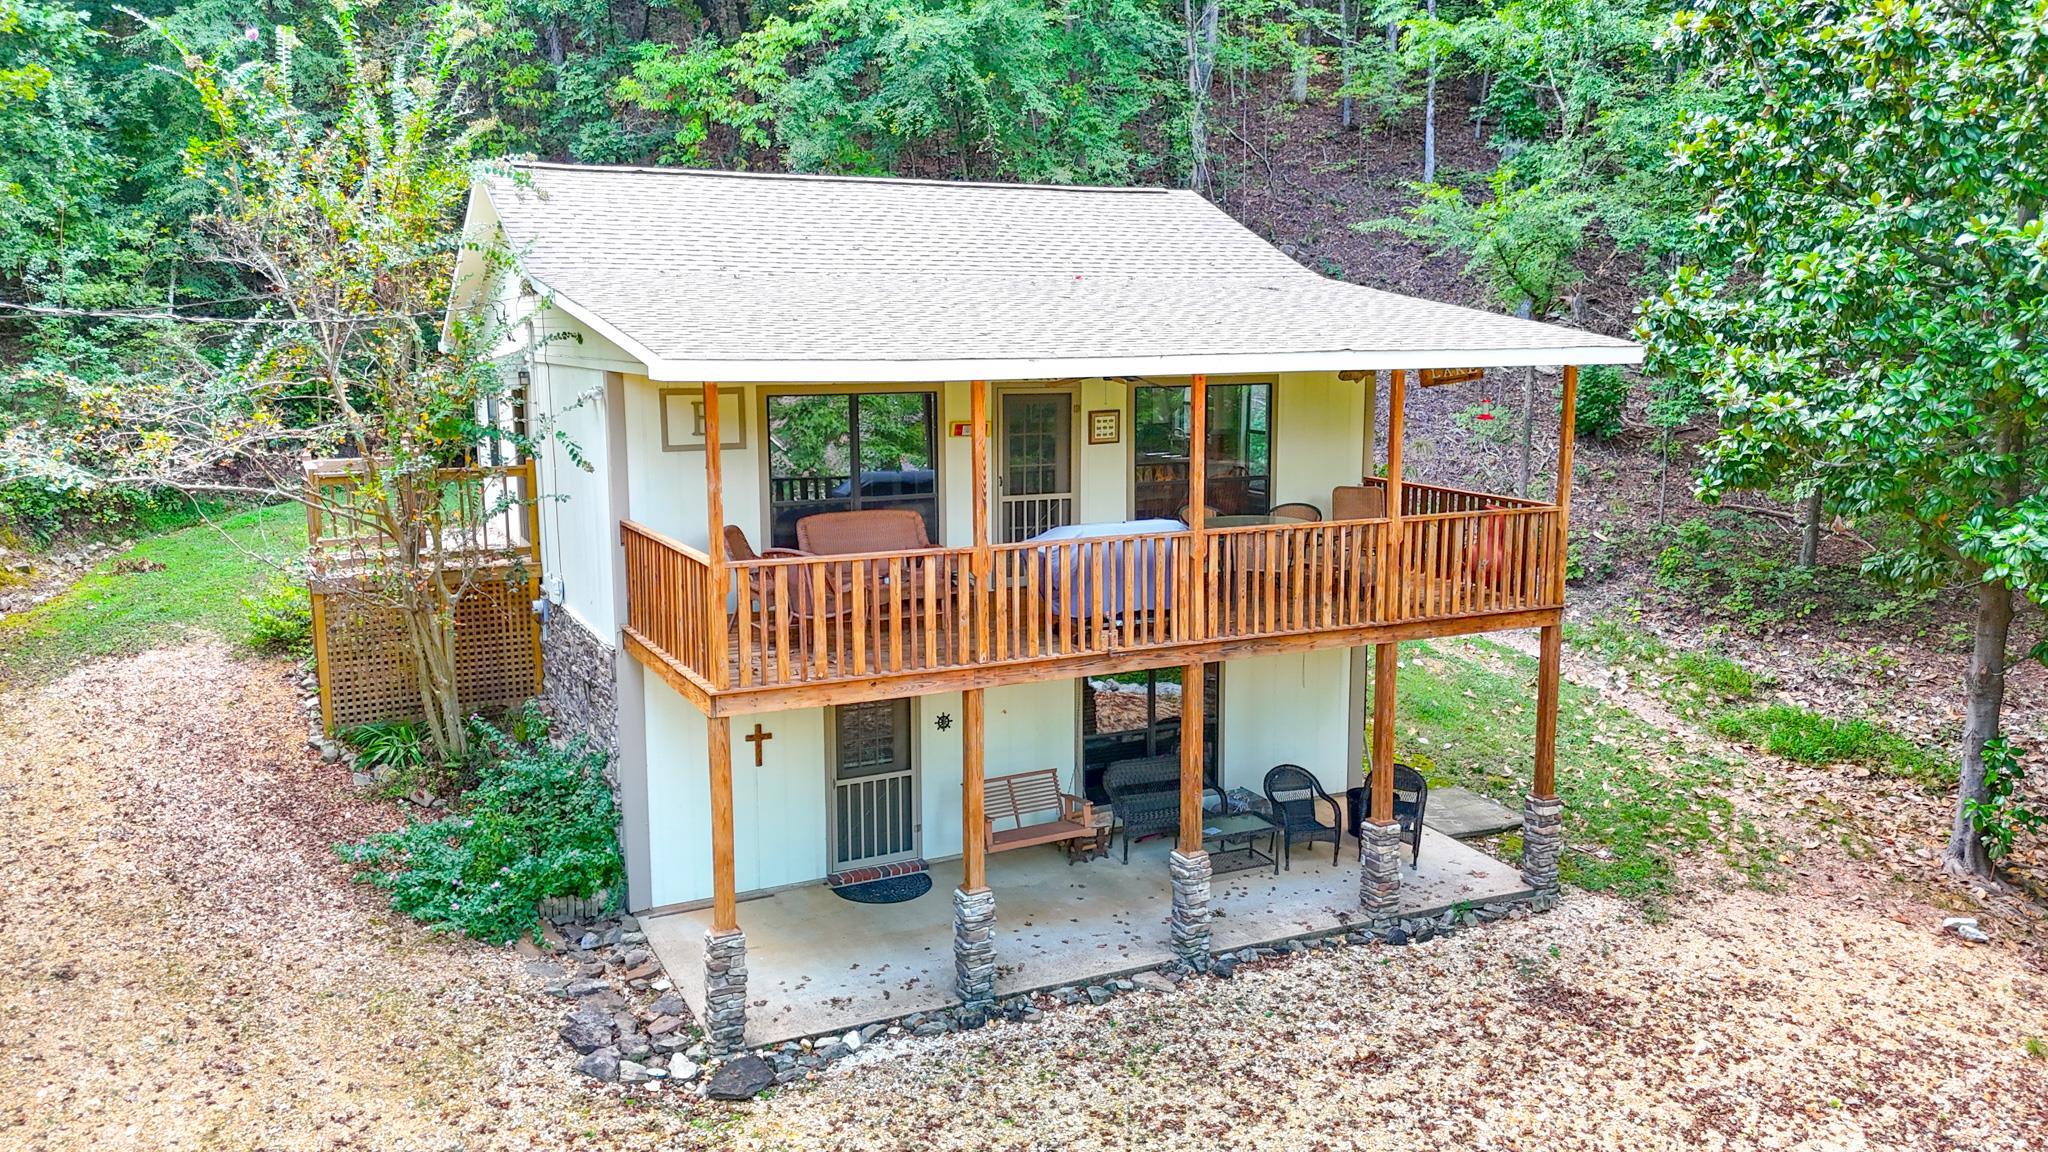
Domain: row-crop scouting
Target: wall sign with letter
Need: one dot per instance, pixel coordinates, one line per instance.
(682, 419)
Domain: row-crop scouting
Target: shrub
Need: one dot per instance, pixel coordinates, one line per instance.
(2003, 815)
(280, 618)
(1603, 393)
(1810, 738)
(539, 823)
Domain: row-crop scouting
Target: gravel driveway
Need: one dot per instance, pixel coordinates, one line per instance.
(183, 964)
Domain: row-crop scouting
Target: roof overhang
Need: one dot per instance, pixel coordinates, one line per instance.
(923, 371)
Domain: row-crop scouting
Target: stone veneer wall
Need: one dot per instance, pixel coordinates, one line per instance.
(579, 684)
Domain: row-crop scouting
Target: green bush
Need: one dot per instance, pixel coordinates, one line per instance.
(1603, 393)
(1810, 738)
(540, 822)
(281, 618)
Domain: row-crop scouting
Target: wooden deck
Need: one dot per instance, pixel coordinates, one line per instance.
(801, 631)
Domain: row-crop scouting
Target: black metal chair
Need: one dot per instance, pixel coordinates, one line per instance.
(1411, 799)
(1294, 793)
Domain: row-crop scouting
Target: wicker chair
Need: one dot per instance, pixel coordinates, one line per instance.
(1294, 794)
(863, 530)
(1411, 800)
(1358, 502)
(1305, 513)
(803, 612)
(1144, 794)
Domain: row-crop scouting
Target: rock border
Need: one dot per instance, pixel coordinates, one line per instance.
(744, 1075)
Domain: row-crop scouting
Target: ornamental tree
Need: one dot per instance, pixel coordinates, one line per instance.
(1873, 293)
(341, 228)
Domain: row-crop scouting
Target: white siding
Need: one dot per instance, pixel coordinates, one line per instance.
(1105, 471)
(1291, 708)
(1028, 726)
(778, 808)
(576, 516)
(1319, 436)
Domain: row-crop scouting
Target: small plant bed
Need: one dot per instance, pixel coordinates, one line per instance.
(1636, 799)
(538, 822)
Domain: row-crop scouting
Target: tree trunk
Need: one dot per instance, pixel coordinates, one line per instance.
(1809, 529)
(1297, 88)
(1429, 116)
(1985, 688)
(1201, 66)
(1346, 112)
(728, 17)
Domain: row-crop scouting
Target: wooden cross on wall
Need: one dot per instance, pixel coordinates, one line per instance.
(758, 738)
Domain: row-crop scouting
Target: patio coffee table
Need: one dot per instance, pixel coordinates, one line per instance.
(1234, 837)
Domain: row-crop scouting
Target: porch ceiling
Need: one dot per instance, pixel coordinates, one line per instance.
(823, 964)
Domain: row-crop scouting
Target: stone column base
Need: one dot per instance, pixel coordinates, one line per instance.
(1542, 839)
(1379, 885)
(1190, 921)
(974, 948)
(725, 991)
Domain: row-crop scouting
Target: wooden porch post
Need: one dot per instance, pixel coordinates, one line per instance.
(725, 946)
(1392, 567)
(1379, 887)
(974, 905)
(1192, 721)
(973, 824)
(714, 521)
(725, 914)
(1543, 812)
(1188, 865)
(1551, 660)
(1382, 808)
(984, 598)
(1198, 502)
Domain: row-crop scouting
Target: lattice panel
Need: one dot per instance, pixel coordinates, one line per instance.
(366, 675)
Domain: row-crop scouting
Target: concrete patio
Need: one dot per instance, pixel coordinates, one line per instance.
(823, 964)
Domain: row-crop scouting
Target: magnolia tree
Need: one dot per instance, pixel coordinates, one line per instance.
(344, 229)
(1874, 299)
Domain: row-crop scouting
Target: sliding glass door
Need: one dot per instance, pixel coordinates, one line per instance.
(1240, 450)
(839, 451)
(1133, 715)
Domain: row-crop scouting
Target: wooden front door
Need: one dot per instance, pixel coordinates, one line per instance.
(874, 818)
(1035, 481)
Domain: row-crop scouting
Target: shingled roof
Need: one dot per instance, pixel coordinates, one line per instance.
(748, 277)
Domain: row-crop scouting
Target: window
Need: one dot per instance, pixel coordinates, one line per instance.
(1131, 715)
(1240, 449)
(838, 451)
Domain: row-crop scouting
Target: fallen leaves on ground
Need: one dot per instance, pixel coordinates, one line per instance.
(184, 964)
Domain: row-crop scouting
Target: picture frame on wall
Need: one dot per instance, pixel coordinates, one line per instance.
(1105, 426)
(682, 419)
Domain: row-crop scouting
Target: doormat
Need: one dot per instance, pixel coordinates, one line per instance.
(887, 890)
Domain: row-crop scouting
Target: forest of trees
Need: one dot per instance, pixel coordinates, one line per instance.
(1831, 208)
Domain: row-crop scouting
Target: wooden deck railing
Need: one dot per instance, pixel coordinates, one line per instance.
(1428, 499)
(801, 620)
(463, 513)
(668, 595)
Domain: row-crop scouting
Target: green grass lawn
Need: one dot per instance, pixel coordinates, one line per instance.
(189, 579)
(1466, 715)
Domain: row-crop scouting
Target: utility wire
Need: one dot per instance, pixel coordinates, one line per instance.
(115, 314)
